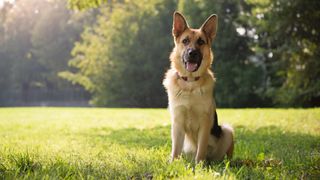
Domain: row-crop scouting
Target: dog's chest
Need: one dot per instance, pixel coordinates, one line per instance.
(192, 122)
(191, 103)
(195, 99)
(198, 104)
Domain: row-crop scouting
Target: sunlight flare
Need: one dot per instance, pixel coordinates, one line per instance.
(3, 1)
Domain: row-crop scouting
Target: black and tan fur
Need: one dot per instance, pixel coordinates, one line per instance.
(190, 84)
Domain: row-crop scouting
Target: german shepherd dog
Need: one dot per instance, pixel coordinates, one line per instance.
(190, 84)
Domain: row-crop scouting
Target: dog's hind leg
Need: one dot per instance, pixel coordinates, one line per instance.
(230, 150)
(222, 146)
(225, 142)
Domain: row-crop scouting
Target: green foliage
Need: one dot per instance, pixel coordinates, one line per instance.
(84, 4)
(289, 39)
(48, 39)
(122, 59)
(97, 143)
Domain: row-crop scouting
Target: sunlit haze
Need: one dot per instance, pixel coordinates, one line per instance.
(3, 1)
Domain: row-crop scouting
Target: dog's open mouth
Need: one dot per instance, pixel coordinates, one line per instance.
(192, 59)
(191, 67)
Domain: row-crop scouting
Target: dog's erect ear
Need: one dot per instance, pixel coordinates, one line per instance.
(179, 24)
(210, 26)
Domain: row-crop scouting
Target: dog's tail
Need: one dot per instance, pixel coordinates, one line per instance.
(225, 136)
(216, 129)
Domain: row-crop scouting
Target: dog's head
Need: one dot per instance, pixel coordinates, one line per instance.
(192, 52)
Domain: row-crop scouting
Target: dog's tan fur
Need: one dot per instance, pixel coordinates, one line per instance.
(191, 102)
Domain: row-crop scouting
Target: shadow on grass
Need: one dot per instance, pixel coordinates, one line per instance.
(257, 153)
(272, 148)
(265, 143)
(274, 142)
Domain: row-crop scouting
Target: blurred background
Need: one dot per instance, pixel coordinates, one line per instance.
(115, 53)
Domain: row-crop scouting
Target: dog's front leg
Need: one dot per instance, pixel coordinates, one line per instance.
(177, 136)
(203, 139)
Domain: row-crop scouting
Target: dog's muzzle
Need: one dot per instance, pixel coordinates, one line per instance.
(192, 59)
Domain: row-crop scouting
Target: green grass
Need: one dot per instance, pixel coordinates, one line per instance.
(94, 143)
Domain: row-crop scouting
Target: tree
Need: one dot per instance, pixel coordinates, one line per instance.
(84, 4)
(289, 39)
(17, 27)
(52, 39)
(122, 59)
(36, 43)
(5, 64)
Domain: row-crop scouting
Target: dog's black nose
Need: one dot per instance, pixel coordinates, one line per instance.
(193, 53)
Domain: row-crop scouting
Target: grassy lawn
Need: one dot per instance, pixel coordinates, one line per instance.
(93, 143)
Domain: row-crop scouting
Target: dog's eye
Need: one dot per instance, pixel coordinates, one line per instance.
(185, 41)
(200, 42)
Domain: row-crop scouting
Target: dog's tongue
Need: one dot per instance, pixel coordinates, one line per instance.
(191, 66)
